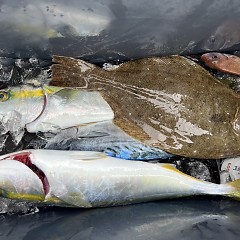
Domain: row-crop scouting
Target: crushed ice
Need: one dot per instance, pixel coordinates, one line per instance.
(17, 207)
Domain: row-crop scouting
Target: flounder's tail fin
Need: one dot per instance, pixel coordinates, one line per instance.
(70, 72)
(235, 189)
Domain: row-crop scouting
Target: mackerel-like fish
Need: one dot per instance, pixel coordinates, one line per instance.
(92, 179)
(170, 103)
(104, 137)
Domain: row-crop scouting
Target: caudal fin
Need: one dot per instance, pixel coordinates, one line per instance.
(235, 192)
(70, 72)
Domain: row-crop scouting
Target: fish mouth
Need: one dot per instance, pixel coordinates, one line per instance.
(25, 158)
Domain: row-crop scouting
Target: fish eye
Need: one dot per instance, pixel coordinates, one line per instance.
(214, 56)
(3, 96)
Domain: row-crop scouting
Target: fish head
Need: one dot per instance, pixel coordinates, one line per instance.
(46, 175)
(27, 101)
(19, 106)
(18, 179)
(214, 59)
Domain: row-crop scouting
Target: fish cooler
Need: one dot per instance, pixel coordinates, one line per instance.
(107, 34)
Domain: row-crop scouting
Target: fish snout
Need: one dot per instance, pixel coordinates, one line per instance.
(212, 59)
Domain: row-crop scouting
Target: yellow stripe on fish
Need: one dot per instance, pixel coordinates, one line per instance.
(33, 93)
(235, 194)
(29, 197)
(20, 196)
(27, 93)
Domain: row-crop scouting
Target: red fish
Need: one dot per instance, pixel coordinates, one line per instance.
(222, 62)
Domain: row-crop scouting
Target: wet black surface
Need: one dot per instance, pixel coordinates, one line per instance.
(182, 219)
(100, 30)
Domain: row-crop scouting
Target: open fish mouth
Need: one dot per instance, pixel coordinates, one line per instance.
(25, 158)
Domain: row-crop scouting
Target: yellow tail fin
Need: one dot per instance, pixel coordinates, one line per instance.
(236, 189)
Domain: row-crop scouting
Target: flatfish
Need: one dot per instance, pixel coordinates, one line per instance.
(170, 103)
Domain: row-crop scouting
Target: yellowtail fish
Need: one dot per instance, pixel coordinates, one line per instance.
(169, 103)
(92, 179)
(222, 62)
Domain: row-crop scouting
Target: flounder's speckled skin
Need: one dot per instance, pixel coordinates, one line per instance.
(170, 103)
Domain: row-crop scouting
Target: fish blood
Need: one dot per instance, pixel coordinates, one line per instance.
(26, 160)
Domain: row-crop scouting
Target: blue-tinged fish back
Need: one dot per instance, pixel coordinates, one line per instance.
(105, 137)
(136, 151)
